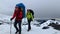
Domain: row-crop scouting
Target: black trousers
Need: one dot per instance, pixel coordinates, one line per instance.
(29, 24)
(19, 26)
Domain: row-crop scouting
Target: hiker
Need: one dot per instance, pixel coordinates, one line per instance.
(18, 15)
(30, 16)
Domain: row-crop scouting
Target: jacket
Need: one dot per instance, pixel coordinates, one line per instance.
(18, 15)
(29, 16)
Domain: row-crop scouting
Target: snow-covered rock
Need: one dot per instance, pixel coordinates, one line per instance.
(48, 22)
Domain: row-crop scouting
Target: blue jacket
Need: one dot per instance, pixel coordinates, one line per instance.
(23, 6)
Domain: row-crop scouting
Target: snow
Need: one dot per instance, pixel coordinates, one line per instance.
(6, 19)
(5, 27)
(48, 22)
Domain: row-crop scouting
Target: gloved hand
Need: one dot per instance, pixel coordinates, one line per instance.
(11, 19)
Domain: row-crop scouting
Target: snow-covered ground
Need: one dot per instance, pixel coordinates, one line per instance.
(5, 27)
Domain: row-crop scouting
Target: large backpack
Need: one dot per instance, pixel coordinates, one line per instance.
(31, 12)
(23, 6)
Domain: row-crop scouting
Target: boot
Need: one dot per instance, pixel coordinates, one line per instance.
(29, 29)
(16, 31)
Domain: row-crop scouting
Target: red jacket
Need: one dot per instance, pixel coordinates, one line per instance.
(18, 15)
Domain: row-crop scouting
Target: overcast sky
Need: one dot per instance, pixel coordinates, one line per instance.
(42, 8)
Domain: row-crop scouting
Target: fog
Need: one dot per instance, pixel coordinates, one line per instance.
(41, 8)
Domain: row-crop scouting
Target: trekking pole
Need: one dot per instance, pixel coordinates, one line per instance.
(10, 26)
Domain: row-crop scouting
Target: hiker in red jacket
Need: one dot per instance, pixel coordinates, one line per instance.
(18, 15)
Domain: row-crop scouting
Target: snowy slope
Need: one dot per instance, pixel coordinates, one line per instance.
(6, 19)
(5, 29)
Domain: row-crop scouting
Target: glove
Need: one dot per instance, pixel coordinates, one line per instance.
(11, 19)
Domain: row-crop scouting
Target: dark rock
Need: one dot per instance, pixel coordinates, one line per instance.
(0, 23)
(53, 19)
(46, 27)
(25, 24)
(55, 26)
(41, 21)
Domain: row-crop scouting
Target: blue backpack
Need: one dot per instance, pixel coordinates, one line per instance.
(21, 5)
